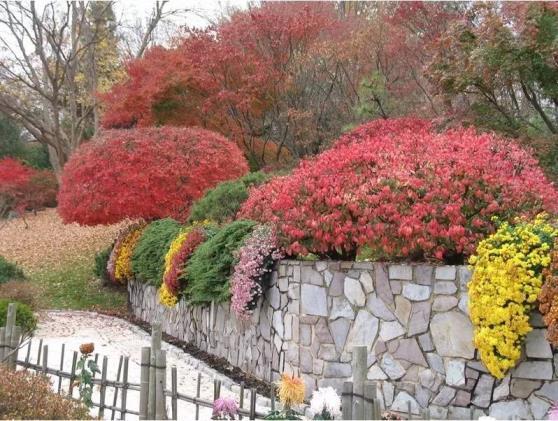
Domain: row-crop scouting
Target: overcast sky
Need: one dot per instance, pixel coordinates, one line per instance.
(130, 10)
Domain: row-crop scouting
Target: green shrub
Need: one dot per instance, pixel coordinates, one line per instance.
(148, 259)
(24, 315)
(25, 395)
(209, 268)
(221, 203)
(9, 271)
(101, 260)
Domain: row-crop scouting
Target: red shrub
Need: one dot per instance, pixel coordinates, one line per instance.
(24, 188)
(403, 191)
(145, 173)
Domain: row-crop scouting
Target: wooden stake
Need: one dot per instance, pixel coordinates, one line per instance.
(360, 369)
(45, 360)
(161, 366)
(253, 404)
(115, 394)
(103, 390)
(144, 383)
(14, 345)
(347, 401)
(61, 367)
(369, 399)
(198, 391)
(124, 389)
(73, 374)
(174, 393)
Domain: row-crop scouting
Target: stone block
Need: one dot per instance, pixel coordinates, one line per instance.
(452, 335)
(423, 274)
(383, 289)
(390, 330)
(445, 273)
(340, 307)
(376, 373)
(305, 334)
(502, 391)
(483, 391)
(536, 345)
(455, 372)
(539, 407)
(462, 398)
(415, 292)
(401, 403)
(536, 370)
(445, 288)
(425, 342)
(313, 300)
(378, 308)
(391, 367)
(367, 282)
(508, 410)
(522, 388)
(444, 303)
(363, 331)
(419, 319)
(333, 369)
(327, 352)
(336, 287)
(401, 272)
(408, 350)
(444, 397)
(339, 330)
(354, 293)
(549, 391)
(402, 309)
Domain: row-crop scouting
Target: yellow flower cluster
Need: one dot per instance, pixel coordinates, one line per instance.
(506, 281)
(166, 297)
(175, 248)
(123, 265)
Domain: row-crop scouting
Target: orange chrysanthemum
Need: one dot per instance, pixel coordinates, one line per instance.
(290, 391)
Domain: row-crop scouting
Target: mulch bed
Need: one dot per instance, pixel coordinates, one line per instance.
(219, 364)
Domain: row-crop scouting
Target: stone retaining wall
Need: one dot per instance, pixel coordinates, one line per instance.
(412, 318)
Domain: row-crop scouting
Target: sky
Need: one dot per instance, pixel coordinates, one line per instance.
(130, 10)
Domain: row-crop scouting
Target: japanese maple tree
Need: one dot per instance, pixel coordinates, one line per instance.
(396, 189)
(145, 173)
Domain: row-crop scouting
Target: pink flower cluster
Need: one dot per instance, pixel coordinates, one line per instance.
(224, 409)
(255, 261)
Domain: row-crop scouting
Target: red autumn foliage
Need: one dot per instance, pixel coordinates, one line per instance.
(268, 78)
(25, 188)
(403, 191)
(145, 173)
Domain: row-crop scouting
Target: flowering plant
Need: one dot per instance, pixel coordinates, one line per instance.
(123, 266)
(290, 392)
(86, 368)
(325, 404)
(548, 299)
(404, 192)
(506, 282)
(116, 250)
(180, 250)
(224, 409)
(255, 261)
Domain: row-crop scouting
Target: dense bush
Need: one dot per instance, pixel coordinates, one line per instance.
(211, 264)
(145, 173)
(221, 203)
(148, 258)
(402, 191)
(101, 262)
(25, 395)
(9, 271)
(24, 315)
(25, 188)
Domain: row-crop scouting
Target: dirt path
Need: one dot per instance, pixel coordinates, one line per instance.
(114, 337)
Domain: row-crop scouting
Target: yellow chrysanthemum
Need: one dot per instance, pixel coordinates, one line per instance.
(123, 265)
(166, 297)
(506, 282)
(290, 390)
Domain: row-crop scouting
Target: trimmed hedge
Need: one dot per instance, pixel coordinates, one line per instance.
(209, 269)
(148, 259)
(24, 315)
(221, 203)
(9, 271)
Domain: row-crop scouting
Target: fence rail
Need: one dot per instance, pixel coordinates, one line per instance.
(153, 391)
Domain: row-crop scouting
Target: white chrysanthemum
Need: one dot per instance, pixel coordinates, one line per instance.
(326, 398)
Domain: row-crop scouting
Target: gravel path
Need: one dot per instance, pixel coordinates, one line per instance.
(114, 337)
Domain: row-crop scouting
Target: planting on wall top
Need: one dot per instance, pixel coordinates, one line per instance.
(145, 173)
(395, 189)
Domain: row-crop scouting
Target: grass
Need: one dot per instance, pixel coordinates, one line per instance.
(59, 259)
(73, 286)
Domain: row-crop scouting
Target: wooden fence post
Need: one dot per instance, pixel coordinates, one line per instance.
(45, 360)
(103, 390)
(124, 389)
(253, 397)
(198, 394)
(61, 367)
(144, 382)
(241, 403)
(369, 400)
(347, 401)
(160, 400)
(360, 369)
(72, 374)
(14, 345)
(156, 336)
(115, 394)
(2, 343)
(174, 393)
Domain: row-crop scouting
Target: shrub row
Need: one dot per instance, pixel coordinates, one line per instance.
(198, 260)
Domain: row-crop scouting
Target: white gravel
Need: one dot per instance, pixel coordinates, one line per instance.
(114, 337)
